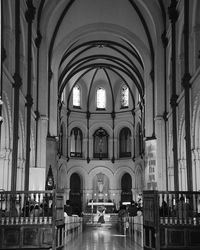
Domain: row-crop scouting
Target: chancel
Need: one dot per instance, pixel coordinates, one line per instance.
(100, 124)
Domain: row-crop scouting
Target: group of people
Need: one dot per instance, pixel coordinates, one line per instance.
(181, 209)
(72, 209)
(29, 209)
(133, 209)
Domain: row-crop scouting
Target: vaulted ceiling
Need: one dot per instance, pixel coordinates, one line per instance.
(112, 41)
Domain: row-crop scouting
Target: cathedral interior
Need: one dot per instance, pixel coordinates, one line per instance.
(99, 107)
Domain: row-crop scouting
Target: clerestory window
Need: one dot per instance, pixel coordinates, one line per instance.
(76, 97)
(101, 98)
(124, 96)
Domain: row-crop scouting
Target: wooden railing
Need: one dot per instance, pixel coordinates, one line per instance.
(132, 226)
(31, 219)
(171, 220)
(179, 208)
(73, 227)
(24, 207)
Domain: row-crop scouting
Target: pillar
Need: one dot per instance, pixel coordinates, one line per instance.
(173, 16)
(5, 169)
(186, 85)
(30, 14)
(160, 153)
(17, 84)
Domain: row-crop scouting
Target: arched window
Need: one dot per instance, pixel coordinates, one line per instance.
(76, 97)
(101, 98)
(76, 142)
(124, 96)
(100, 144)
(125, 143)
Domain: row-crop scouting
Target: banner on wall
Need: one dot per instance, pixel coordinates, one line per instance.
(151, 164)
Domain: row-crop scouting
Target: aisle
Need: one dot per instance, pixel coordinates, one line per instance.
(101, 238)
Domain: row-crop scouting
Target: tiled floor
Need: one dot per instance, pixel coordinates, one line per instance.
(101, 238)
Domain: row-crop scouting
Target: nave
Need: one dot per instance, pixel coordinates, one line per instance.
(101, 238)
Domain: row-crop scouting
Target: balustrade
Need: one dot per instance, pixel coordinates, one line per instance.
(28, 207)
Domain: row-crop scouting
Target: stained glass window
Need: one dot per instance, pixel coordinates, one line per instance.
(76, 96)
(100, 144)
(124, 96)
(101, 98)
(125, 142)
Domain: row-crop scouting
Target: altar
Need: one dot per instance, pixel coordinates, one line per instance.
(93, 207)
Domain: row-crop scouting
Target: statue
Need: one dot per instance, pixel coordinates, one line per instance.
(100, 187)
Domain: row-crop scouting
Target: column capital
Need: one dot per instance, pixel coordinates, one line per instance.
(172, 11)
(30, 13)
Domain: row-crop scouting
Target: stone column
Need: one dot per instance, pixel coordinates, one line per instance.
(20, 173)
(196, 54)
(173, 16)
(30, 14)
(182, 175)
(161, 171)
(41, 147)
(186, 84)
(196, 169)
(17, 84)
(5, 169)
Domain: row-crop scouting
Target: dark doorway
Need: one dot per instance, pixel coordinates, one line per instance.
(75, 195)
(126, 186)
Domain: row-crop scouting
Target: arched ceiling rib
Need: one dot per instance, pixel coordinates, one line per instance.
(107, 52)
